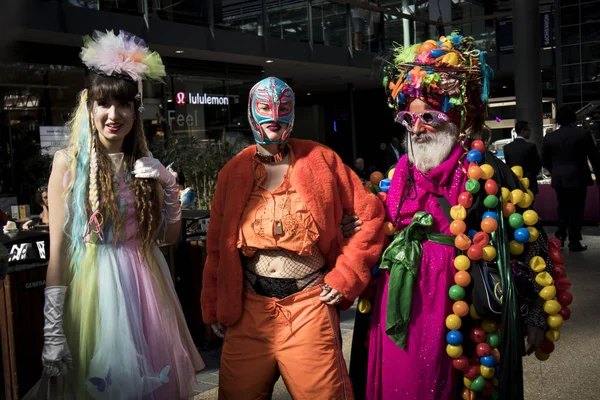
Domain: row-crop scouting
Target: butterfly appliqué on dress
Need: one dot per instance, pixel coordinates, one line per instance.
(163, 377)
(102, 383)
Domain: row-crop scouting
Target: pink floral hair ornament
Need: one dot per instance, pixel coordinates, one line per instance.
(123, 56)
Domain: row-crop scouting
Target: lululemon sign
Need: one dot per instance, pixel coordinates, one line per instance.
(180, 99)
(189, 112)
(200, 99)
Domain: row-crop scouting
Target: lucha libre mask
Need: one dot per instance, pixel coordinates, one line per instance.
(280, 100)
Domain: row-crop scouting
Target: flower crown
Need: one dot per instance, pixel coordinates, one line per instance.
(450, 74)
(124, 56)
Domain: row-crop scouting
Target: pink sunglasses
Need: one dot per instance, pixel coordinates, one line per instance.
(431, 118)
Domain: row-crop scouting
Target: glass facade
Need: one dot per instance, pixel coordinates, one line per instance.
(38, 100)
(35, 99)
(320, 21)
(580, 52)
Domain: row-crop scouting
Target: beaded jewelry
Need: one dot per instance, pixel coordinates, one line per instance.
(480, 372)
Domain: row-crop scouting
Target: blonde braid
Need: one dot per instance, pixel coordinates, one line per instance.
(96, 219)
(74, 130)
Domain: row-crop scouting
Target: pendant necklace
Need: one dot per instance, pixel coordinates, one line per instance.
(277, 222)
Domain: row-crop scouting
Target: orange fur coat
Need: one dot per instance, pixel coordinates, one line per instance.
(329, 188)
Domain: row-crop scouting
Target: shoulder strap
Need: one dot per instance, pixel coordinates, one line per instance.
(445, 204)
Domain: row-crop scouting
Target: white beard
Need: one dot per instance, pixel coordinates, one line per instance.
(434, 149)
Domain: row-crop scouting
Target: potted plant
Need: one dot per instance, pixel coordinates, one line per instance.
(200, 161)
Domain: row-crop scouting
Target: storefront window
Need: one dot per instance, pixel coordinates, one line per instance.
(37, 101)
(199, 107)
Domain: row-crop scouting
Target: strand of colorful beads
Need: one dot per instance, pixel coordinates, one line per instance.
(480, 372)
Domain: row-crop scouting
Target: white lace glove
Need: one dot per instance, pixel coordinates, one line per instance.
(56, 356)
(151, 168)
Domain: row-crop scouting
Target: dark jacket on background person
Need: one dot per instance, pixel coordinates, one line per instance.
(524, 153)
(390, 156)
(565, 154)
(365, 174)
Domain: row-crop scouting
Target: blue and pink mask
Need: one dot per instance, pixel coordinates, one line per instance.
(271, 101)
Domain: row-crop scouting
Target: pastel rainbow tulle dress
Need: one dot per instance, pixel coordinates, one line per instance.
(123, 321)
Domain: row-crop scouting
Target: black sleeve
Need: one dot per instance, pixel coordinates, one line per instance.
(592, 155)
(536, 162)
(508, 159)
(547, 156)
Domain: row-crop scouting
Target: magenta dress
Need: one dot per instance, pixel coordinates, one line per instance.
(422, 370)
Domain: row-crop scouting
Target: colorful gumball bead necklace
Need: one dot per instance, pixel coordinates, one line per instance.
(480, 373)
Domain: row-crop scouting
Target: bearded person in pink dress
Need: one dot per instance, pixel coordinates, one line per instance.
(435, 319)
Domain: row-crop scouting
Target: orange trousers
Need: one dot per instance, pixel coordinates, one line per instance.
(298, 337)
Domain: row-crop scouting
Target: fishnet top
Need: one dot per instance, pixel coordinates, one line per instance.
(307, 270)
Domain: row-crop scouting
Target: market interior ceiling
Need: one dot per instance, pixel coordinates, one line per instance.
(306, 77)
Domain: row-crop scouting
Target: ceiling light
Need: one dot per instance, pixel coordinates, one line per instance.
(504, 87)
(308, 94)
(169, 101)
(178, 51)
(269, 61)
(587, 118)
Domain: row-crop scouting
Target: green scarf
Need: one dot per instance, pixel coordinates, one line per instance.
(402, 259)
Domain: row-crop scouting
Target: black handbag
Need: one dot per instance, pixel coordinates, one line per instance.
(487, 289)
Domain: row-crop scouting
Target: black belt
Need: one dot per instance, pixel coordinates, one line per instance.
(279, 287)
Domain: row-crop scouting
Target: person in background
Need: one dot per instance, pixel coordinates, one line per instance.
(361, 18)
(41, 197)
(3, 263)
(393, 152)
(565, 155)
(524, 153)
(362, 172)
(587, 127)
(4, 218)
